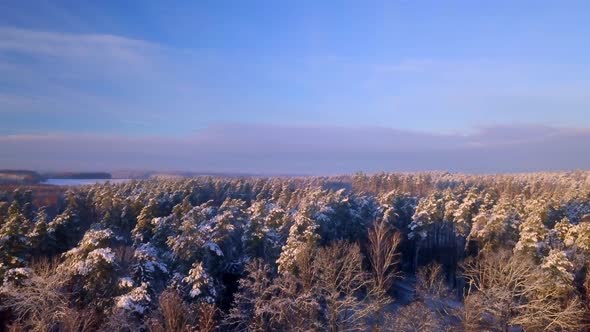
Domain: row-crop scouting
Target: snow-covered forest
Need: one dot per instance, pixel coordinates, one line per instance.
(384, 252)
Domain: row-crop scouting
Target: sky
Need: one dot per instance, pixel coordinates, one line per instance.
(305, 87)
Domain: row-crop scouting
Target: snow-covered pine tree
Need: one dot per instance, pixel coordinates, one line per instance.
(90, 268)
(13, 243)
(38, 237)
(65, 230)
(143, 230)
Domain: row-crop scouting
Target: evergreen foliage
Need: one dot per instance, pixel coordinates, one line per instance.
(317, 253)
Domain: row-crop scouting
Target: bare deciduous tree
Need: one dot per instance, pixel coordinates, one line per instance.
(507, 290)
(344, 285)
(79, 321)
(414, 317)
(383, 255)
(292, 307)
(330, 292)
(38, 304)
(120, 321)
(250, 308)
(207, 321)
(173, 314)
(430, 282)
(433, 290)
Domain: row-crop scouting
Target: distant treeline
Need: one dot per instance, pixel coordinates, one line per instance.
(19, 176)
(147, 174)
(78, 175)
(32, 177)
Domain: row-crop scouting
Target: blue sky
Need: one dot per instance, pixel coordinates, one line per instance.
(177, 70)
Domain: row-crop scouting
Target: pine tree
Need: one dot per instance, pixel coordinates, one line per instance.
(496, 228)
(532, 235)
(194, 232)
(182, 208)
(26, 204)
(250, 309)
(148, 266)
(66, 229)
(144, 228)
(227, 230)
(200, 284)
(579, 236)
(255, 230)
(3, 211)
(91, 268)
(463, 214)
(13, 244)
(429, 213)
(560, 270)
(302, 237)
(38, 237)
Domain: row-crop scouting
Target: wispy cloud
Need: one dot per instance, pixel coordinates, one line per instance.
(68, 76)
(109, 83)
(81, 46)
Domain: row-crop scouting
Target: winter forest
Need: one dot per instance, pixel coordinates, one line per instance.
(384, 252)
